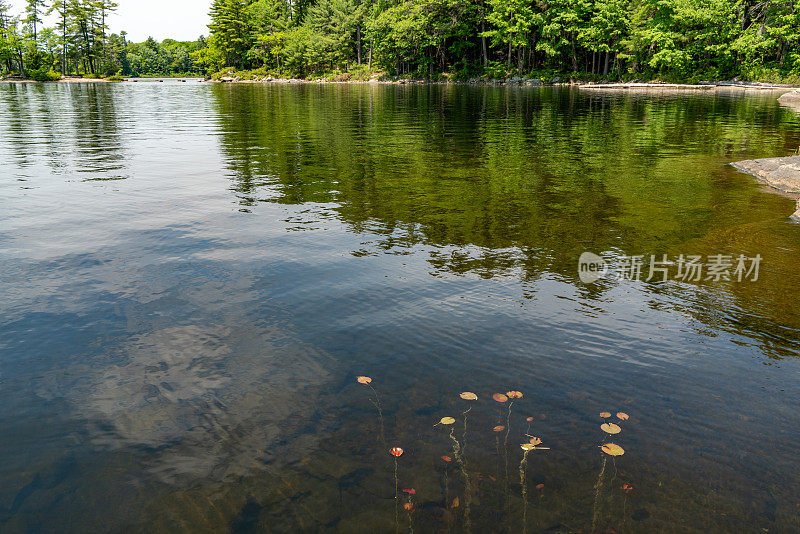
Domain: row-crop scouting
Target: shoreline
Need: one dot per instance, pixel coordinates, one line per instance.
(792, 96)
(62, 80)
(781, 174)
(524, 82)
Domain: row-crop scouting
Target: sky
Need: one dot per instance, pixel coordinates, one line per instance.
(184, 20)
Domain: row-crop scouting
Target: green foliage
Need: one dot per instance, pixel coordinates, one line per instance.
(43, 75)
(456, 39)
(675, 40)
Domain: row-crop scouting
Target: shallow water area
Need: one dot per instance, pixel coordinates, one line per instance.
(193, 276)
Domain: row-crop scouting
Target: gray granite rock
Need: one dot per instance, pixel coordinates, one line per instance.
(781, 173)
(791, 99)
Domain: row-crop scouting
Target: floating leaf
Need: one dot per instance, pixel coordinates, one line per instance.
(611, 428)
(455, 503)
(529, 419)
(536, 441)
(514, 394)
(363, 379)
(447, 421)
(468, 395)
(605, 415)
(527, 446)
(539, 486)
(396, 451)
(410, 491)
(499, 397)
(408, 506)
(612, 449)
(622, 416)
(626, 487)
(499, 428)
(447, 458)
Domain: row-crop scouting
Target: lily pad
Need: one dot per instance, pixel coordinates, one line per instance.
(611, 428)
(612, 449)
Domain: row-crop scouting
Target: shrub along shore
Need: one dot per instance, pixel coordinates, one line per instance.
(260, 76)
(251, 77)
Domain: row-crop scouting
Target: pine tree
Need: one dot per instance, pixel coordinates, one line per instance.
(34, 10)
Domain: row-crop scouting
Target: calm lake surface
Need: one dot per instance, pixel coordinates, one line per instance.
(193, 276)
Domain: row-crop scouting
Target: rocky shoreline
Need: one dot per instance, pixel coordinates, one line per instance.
(791, 99)
(62, 80)
(520, 81)
(782, 174)
(792, 96)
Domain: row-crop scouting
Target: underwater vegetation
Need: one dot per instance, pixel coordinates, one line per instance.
(456, 503)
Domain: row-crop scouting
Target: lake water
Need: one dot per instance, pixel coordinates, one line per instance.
(193, 276)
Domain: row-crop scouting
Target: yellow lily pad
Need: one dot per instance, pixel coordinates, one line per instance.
(611, 428)
(612, 449)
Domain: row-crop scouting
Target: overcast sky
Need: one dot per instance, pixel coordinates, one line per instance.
(183, 20)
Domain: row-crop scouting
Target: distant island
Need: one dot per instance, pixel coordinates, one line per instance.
(680, 41)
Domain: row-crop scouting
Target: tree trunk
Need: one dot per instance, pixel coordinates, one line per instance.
(574, 57)
(605, 69)
(483, 45)
(21, 63)
(358, 33)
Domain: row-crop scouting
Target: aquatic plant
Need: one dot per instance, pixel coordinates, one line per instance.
(627, 489)
(467, 396)
(396, 452)
(532, 445)
(408, 506)
(510, 395)
(609, 450)
(611, 428)
(367, 381)
(462, 465)
(447, 460)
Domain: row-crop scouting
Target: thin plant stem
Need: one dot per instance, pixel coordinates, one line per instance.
(410, 510)
(597, 490)
(523, 481)
(467, 483)
(396, 499)
(377, 403)
(464, 438)
(624, 505)
(505, 456)
(446, 496)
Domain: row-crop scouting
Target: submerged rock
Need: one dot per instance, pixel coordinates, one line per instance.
(781, 173)
(791, 99)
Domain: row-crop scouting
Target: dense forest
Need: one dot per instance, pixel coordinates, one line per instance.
(668, 39)
(80, 43)
(679, 40)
